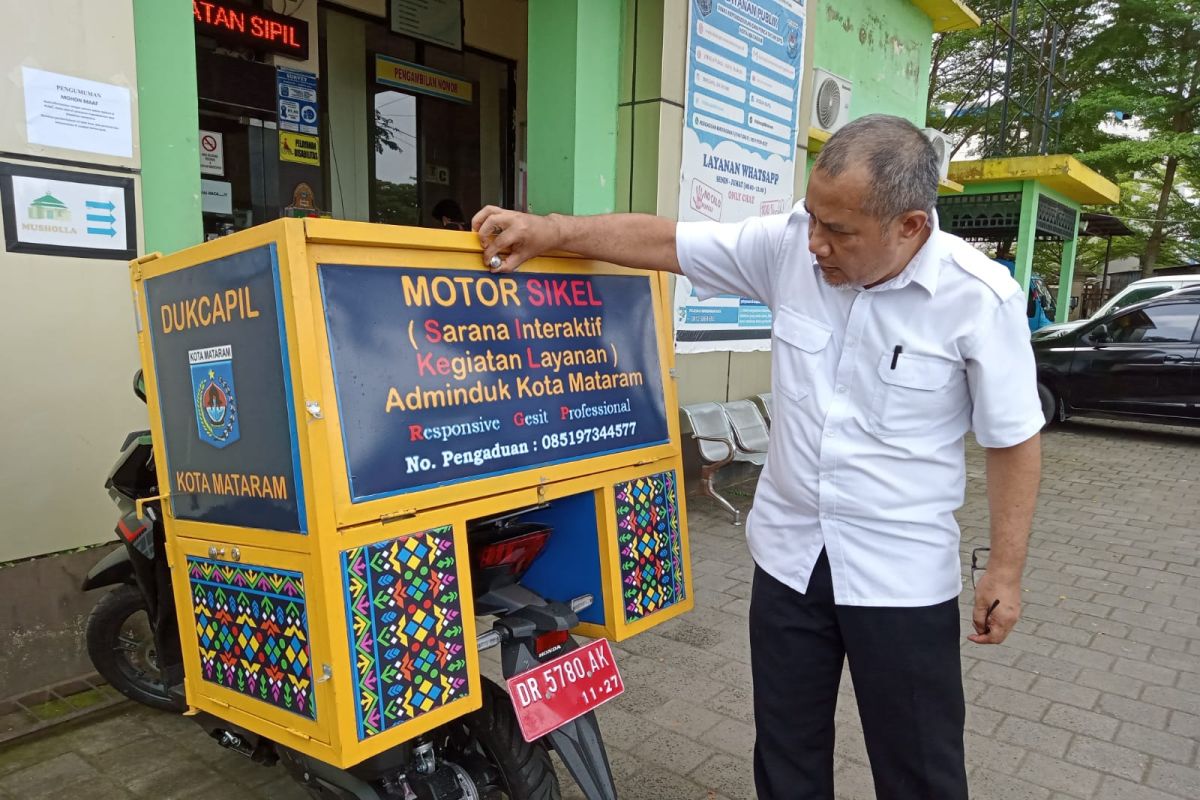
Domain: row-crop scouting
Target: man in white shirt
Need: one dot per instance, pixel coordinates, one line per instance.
(891, 340)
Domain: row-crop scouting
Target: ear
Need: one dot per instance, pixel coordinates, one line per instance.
(910, 224)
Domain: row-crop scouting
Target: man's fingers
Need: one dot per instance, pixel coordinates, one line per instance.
(997, 626)
(482, 215)
(979, 616)
(501, 244)
(510, 262)
(995, 635)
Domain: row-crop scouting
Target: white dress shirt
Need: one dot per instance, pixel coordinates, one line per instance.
(866, 460)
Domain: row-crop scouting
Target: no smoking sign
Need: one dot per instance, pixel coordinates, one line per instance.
(212, 153)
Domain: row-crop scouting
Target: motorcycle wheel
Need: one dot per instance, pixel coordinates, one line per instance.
(488, 744)
(120, 643)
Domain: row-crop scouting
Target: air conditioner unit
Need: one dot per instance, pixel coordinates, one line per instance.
(831, 101)
(943, 148)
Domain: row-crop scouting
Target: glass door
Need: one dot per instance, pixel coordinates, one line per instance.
(395, 197)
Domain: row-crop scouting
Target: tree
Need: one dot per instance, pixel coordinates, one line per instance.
(1146, 62)
(397, 203)
(1137, 57)
(967, 73)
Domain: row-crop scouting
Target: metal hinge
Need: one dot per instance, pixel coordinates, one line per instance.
(298, 734)
(674, 373)
(136, 265)
(395, 516)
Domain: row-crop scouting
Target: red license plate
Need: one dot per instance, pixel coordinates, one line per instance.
(552, 694)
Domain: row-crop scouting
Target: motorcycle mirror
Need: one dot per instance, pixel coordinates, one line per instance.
(139, 385)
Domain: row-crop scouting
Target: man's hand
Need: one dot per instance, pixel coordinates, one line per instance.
(994, 628)
(514, 237)
(642, 241)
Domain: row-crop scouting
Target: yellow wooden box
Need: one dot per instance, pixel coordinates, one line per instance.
(324, 430)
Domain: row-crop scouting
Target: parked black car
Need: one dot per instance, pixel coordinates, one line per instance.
(1140, 362)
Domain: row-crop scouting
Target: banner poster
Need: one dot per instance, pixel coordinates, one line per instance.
(447, 375)
(741, 120)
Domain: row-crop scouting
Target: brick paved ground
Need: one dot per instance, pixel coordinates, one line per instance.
(1096, 696)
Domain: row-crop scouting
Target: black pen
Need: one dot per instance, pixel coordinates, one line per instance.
(896, 355)
(986, 627)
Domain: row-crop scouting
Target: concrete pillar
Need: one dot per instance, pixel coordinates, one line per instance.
(169, 124)
(574, 68)
(1026, 234)
(1066, 273)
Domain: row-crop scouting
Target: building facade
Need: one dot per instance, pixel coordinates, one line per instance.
(218, 116)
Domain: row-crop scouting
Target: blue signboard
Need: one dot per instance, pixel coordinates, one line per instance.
(298, 110)
(224, 390)
(448, 375)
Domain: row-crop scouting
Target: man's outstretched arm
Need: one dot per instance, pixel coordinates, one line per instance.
(643, 241)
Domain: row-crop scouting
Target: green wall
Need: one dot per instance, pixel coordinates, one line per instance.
(574, 67)
(169, 124)
(883, 46)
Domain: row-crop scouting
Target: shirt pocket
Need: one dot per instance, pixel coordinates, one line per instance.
(801, 342)
(915, 396)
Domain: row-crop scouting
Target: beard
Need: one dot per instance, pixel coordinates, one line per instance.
(838, 280)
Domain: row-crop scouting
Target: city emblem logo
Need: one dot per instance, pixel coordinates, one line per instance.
(793, 39)
(213, 396)
(705, 7)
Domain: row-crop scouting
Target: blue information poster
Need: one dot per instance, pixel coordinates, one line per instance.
(224, 390)
(741, 121)
(448, 375)
(298, 110)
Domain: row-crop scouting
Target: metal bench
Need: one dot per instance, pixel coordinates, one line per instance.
(714, 438)
(766, 406)
(749, 431)
(721, 441)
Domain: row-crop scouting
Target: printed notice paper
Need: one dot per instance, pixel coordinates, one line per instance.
(77, 114)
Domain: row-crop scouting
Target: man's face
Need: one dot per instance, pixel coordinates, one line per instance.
(851, 247)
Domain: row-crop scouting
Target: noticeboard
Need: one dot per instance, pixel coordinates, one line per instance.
(444, 375)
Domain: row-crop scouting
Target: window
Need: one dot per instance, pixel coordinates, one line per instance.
(1134, 296)
(1167, 323)
(394, 137)
(429, 152)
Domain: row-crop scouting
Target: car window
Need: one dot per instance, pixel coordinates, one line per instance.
(1134, 296)
(1166, 323)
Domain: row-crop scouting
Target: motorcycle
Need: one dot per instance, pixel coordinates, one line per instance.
(133, 641)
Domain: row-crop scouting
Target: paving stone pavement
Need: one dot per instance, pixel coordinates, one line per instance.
(1095, 696)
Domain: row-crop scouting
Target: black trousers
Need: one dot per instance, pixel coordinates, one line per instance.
(907, 677)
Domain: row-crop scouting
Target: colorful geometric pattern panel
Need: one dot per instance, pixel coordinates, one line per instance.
(405, 617)
(252, 625)
(651, 551)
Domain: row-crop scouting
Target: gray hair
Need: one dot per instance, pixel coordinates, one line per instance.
(901, 163)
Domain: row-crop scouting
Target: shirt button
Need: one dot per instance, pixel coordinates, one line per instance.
(841, 389)
(827, 516)
(827, 476)
(829, 433)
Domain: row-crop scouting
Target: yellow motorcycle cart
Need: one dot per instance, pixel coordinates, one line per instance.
(334, 405)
